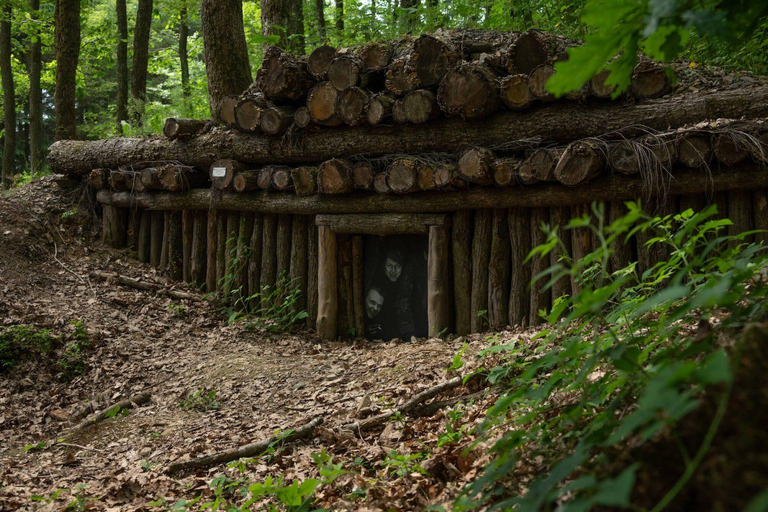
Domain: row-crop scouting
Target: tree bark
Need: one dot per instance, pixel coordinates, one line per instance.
(269, 255)
(540, 298)
(298, 268)
(211, 248)
(283, 255)
(221, 248)
(339, 16)
(67, 43)
(197, 265)
(175, 247)
(358, 297)
(230, 253)
(156, 238)
(143, 245)
(187, 227)
(226, 54)
(284, 19)
(320, 9)
(439, 281)
(312, 269)
(141, 34)
(9, 97)
(461, 249)
(245, 231)
(327, 284)
(558, 218)
(122, 64)
(564, 121)
(254, 261)
(183, 57)
(35, 97)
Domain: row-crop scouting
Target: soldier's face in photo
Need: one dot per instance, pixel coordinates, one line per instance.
(392, 269)
(373, 303)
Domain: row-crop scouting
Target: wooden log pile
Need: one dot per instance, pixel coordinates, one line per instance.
(458, 123)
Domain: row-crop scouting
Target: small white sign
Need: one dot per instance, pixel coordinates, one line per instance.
(219, 172)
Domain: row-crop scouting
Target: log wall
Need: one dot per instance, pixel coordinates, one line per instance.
(485, 279)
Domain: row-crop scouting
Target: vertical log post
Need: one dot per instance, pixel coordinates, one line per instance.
(559, 217)
(269, 254)
(581, 241)
(622, 253)
(481, 253)
(199, 245)
(520, 242)
(760, 202)
(312, 273)
(245, 231)
(298, 270)
(175, 247)
(461, 248)
(211, 246)
(358, 301)
(230, 253)
(498, 275)
(283, 254)
(156, 238)
(165, 243)
(438, 281)
(741, 214)
(221, 248)
(113, 230)
(187, 222)
(540, 298)
(254, 262)
(345, 322)
(327, 292)
(144, 236)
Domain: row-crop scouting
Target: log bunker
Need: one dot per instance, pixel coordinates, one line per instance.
(450, 148)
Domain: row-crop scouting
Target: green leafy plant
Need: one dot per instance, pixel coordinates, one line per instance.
(178, 310)
(402, 464)
(201, 400)
(621, 357)
(19, 341)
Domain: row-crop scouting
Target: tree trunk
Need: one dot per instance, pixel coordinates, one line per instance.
(520, 240)
(183, 57)
(156, 238)
(175, 247)
(221, 248)
(498, 276)
(439, 282)
(9, 98)
(230, 253)
(481, 252)
(35, 97)
(254, 260)
(211, 248)
(540, 298)
(312, 273)
(187, 227)
(67, 42)
(226, 54)
(284, 19)
(122, 65)
(564, 121)
(327, 283)
(269, 254)
(358, 297)
(339, 16)
(558, 218)
(320, 9)
(197, 254)
(283, 255)
(144, 236)
(140, 60)
(461, 249)
(298, 267)
(245, 231)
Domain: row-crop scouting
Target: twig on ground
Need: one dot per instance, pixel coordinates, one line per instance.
(142, 285)
(128, 403)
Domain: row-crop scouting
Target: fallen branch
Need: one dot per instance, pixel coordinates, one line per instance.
(428, 393)
(431, 408)
(248, 450)
(128, 403)
(142, 285)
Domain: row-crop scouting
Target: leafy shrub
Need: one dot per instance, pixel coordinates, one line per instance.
(623, 360)
(20, 341)
(201, 400)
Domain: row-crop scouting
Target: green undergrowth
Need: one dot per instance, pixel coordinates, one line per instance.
(623, 362)
(64, 352)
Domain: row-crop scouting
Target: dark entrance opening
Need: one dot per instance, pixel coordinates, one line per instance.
(395, 286)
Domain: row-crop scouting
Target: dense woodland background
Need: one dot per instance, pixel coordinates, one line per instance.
(113, 99)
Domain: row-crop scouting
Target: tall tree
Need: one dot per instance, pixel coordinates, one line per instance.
(35, 94)
(320, 8)
(9, 103)
(410, 14)
(183, 57)
(140, 60)
(67, 45)
(340, 16)
(284, 18)
(226, 54)
(122, 64)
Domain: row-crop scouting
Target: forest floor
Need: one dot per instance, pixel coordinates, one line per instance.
(263, 383)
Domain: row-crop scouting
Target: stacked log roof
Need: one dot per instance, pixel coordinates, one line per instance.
(452, 110)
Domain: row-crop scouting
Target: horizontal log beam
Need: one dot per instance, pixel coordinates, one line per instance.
(605, 188)
(380, 224)
(561, 122)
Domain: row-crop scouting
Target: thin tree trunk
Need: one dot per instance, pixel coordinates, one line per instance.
(9, 103)
(320, 8)
(340, 15)
(67, 43)
(183, 57)
(226, 55)
(122, 64)
(35, 97)
(411, 17)
(284, 18)
(140, 60)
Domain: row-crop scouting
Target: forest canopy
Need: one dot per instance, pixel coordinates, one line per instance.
(731, 34)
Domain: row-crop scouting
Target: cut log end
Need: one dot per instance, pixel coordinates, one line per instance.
(320, 60)
(275, 120)
(476, 165)
(515, 92)
(362, 174)
(301, 117)
(248, 115)
(335, 177)
(351, 106)
(347, 71)
(538, 82)
(402, 175)
(540, 165)
(580, 161)
(649, 80)
(469, 90)
(376, 56)
(527, 53)
(226, 110)
(416, 107)
(304, 180)
(222, 173)
(695, 150)
(321, 103)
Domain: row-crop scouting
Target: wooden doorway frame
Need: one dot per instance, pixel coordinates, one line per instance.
(438, 258)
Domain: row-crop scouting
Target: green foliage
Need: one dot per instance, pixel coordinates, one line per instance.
(20, 341)
(201, 400)
(662, 29)
(621, 360)
(402, 464)
(71, 362)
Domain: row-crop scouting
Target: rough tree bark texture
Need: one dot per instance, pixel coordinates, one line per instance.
(226, 54)
(439, 284)
(122, 64)
(67, 44)
(9, 100)
(339, 15)
(320, 9)
(183, 57)
(327, 284)
(498, 276)
(563, 121)
(520, 241)
(35, 98)
(461, 248)
(140, 60)
(312, 269)
(284, 18)
(481, 253)
(540, 298)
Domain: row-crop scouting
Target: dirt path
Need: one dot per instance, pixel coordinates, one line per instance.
(144, 341)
